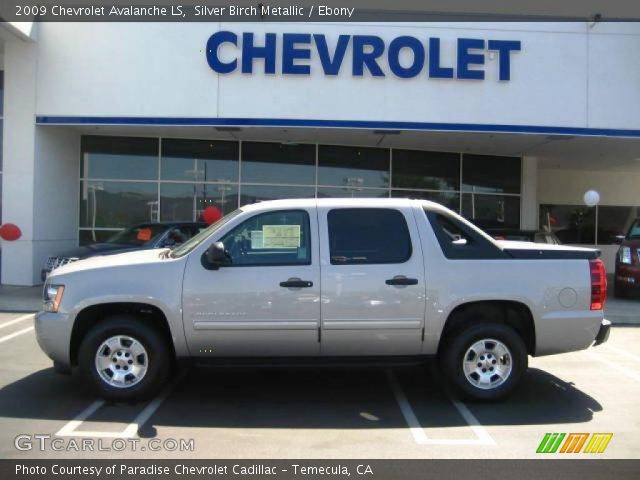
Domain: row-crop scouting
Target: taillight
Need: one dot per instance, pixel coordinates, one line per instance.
(598, 284)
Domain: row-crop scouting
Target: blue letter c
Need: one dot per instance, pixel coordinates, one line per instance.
(213, 44)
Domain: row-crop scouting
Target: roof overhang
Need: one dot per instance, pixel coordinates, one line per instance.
(591, 152)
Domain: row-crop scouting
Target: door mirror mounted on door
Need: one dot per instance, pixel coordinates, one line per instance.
(216, 256)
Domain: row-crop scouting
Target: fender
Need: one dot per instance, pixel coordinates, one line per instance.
(172, 314)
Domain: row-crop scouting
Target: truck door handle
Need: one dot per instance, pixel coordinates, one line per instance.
(401, 280)
(296, 283)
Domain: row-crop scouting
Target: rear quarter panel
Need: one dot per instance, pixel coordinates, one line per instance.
(557, 292)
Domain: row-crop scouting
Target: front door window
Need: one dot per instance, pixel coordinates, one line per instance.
(272, 238)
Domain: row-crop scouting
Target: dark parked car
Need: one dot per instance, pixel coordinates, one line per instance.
(537, 236)
(627, 276)
(139, 237)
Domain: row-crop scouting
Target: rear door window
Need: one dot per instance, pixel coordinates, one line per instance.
(368, 236)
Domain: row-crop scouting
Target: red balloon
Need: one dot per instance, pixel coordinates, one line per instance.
(10, 232)
(211, 215)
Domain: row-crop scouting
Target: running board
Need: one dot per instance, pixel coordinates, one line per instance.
(309, 362)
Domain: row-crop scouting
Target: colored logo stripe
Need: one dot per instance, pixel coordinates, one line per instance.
(598, 442)
(574, 443)
(550, 443)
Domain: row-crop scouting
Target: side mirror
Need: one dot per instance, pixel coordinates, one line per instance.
(460, 242)
(217, 256)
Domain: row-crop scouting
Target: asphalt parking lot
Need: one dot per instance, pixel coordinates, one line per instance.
(400, 412)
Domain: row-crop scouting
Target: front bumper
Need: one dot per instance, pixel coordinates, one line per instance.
(627, 277)
(603, 333)
(53, 332)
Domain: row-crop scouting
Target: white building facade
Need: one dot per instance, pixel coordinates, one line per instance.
(110, 124)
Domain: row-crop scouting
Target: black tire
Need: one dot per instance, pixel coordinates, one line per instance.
(159, 362)
(455, 347)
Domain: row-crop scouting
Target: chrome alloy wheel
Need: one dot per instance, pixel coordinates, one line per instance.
(487, 364)
(121, 361)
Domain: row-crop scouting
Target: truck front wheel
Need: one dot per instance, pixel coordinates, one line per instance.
(484, 361)
(124, 359)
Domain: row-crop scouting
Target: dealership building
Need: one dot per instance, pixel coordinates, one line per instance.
(105, 125)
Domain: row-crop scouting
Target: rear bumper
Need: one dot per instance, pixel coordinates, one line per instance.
(567, 331)
(603, 333)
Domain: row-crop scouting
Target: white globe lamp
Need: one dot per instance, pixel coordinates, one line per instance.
(591, 198)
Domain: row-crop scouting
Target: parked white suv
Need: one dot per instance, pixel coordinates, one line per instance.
(320, 280)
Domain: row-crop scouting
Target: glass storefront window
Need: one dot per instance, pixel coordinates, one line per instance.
(1, 130)
(117, 204)
(425, 170)
(278, 163)
(95, 236)
(1, 135)
(186, 201)
(352, 192)
(260, 193)
(1, 95)
(491, 211)
(199, 160)
(489, 174)
(128, 180)
(614, 221)
(353, 167)
(119, 158)
(571, 223)
(450, 200)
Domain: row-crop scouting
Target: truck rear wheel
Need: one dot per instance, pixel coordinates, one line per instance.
(124, 359)
(484, 361)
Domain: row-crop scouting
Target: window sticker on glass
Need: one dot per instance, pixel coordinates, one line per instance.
(257, 241)
(281, 236)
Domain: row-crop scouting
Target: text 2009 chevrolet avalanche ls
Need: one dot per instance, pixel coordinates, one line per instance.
(325, 280)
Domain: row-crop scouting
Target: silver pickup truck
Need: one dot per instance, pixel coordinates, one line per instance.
(325, 280)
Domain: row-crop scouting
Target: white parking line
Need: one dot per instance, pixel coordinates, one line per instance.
(17, 320)
(482, 434)
(15, 334)
(629, 373)
(142, 418)
(407, 412)
(131, 431)
(620, 352)
(419, 435)
(69, 429)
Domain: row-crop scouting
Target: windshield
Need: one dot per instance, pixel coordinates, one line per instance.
(193, 242)
(138, 236)
(634, 231)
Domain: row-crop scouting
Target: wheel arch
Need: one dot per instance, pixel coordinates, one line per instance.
(515, 314)
(92, 315)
